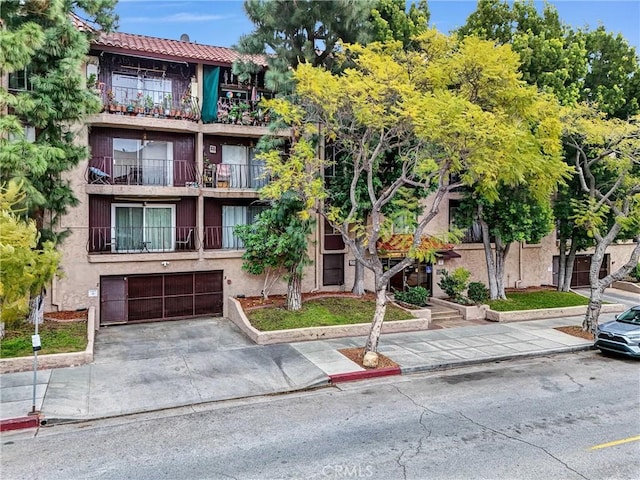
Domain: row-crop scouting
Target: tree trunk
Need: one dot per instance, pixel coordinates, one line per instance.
(491, 265)
(598, 285)
(358, 281)
(378, 318)
(294, 291)
(568, 268)
(36, 308)
(562, 262)
(593, 310)
(501, 256)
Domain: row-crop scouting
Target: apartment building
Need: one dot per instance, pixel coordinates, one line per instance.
(172, 171)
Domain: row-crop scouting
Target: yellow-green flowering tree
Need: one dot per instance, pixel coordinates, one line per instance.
(25, 268)
(606, 155)
(448, 109)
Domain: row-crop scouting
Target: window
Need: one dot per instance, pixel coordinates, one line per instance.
(137, 162)
(19, 80)
(472, 234)
(126, 88)
(143, 228)
(330, 156)
(332, 237)
(244, 170)
(233, 215)
(404, 222)
(29, 135)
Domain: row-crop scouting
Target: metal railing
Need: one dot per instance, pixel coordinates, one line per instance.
(148, 171)
(150, 103)
(221, 238)
(230, 175)
(241, 112)
(142, 239)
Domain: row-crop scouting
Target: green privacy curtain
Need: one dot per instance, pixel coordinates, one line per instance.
(210, 94)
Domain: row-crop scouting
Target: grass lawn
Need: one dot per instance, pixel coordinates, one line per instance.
(321, 312)
(537, 300)
(55, 337)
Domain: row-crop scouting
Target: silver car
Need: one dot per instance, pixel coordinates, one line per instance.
(621, 335)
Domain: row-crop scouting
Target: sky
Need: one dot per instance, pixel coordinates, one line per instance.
(222, 22)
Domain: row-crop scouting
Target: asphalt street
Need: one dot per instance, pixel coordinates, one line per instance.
(569, 416)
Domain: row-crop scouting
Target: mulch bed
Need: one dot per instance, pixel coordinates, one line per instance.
(576, 331)
(356, 355)
(67, 316)
(280, 300)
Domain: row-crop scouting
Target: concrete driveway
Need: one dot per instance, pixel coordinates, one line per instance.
(152, 366)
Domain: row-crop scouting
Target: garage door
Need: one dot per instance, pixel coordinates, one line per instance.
(581, 266)
(143, 298)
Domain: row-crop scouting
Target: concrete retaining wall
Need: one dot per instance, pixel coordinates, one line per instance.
(520, 315)
(627, 287)
(237, 316)
(55, 360)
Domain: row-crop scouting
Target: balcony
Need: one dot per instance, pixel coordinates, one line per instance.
(150, 103)
(142, 239)
(238, 111)
(221, 238)
(146, 171)
(232, 175)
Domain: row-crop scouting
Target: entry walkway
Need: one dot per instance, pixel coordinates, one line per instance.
(142, 368)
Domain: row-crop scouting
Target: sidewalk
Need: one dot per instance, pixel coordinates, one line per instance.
(148, 367)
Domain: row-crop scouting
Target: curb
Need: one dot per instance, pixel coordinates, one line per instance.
(385, 372)
(19, 423)
(501, 358)
(363, 374)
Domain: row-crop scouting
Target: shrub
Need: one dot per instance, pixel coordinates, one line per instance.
(454, 283)
(413, 296)
(478, 292)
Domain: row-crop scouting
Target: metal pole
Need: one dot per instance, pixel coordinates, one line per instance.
(35, 372)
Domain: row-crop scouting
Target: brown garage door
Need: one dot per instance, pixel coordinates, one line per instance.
(581, 266)
(138, 298)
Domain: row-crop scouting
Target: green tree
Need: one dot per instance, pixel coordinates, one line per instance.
(26, 267)
(607, 161)
(552, 55)
(301, 31)
(310, 32)
(595, 66)
(612, 81)
(515, 217)
(447, 107)
(277, 242)
(43, 48)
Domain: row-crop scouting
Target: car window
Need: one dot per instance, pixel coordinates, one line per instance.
(630, 316)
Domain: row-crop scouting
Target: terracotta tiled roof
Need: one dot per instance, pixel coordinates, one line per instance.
(400, 244)
(81, 24)
(171, 48)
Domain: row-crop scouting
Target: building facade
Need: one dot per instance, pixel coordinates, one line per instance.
(172, 171)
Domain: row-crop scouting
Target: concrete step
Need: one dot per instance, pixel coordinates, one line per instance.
(439, 312)
(446, 317)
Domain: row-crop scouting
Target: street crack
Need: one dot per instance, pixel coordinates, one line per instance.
(573, 380)
(418, 449)
(510, 437)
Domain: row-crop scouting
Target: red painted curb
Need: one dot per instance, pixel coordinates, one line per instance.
(361, 375)
(19, 423)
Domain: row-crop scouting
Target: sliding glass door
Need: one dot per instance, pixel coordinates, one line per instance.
(143, 228)
(138, 162)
